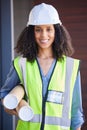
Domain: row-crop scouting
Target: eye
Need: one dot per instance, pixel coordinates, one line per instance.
(37, 30)
(49, 29)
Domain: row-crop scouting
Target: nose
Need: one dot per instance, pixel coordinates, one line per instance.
(43, 33)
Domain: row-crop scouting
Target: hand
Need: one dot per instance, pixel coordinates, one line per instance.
(11, 112)
(78, 128)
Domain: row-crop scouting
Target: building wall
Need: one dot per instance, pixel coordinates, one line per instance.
(5, 56)
(20, 14)
(0, 58)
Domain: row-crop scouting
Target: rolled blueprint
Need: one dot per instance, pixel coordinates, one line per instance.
(25, 112)
(12, 99)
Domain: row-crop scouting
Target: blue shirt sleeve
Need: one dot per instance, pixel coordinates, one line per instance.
(77, 111)
(11, 81)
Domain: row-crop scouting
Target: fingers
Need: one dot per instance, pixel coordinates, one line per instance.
(11, 112)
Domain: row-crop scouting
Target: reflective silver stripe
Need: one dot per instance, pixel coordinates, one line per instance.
(50, 120)
(66, 107)
(56, 121)
(22, 63)
(36, 118)
(64, 120)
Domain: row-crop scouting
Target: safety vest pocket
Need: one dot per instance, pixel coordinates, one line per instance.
(55, 97)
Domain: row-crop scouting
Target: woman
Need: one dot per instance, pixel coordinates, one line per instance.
(50, 77)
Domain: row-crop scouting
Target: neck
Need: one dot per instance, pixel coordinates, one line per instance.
(45, 54)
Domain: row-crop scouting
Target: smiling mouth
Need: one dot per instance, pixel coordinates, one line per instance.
(44, 41)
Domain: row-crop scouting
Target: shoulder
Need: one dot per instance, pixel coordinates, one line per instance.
(71, 58)
(19, 59)
(72, 62)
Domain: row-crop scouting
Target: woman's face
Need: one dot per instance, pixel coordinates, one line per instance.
(44, 35)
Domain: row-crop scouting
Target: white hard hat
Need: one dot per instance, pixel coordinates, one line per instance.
(43, 14)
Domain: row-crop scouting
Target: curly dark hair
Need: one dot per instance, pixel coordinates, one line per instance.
(26, 44)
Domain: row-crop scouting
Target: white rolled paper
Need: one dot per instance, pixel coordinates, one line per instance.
(12, 99)
(25, 113)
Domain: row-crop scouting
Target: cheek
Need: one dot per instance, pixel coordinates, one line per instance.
(37, 36)
(53, 36)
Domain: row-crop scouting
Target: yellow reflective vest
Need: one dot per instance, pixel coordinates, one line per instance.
(52, 112)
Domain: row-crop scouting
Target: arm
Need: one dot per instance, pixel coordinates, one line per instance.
(11, 81)
(78, 128)
(77, 112)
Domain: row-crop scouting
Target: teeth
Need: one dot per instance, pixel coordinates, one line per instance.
(44, 41)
